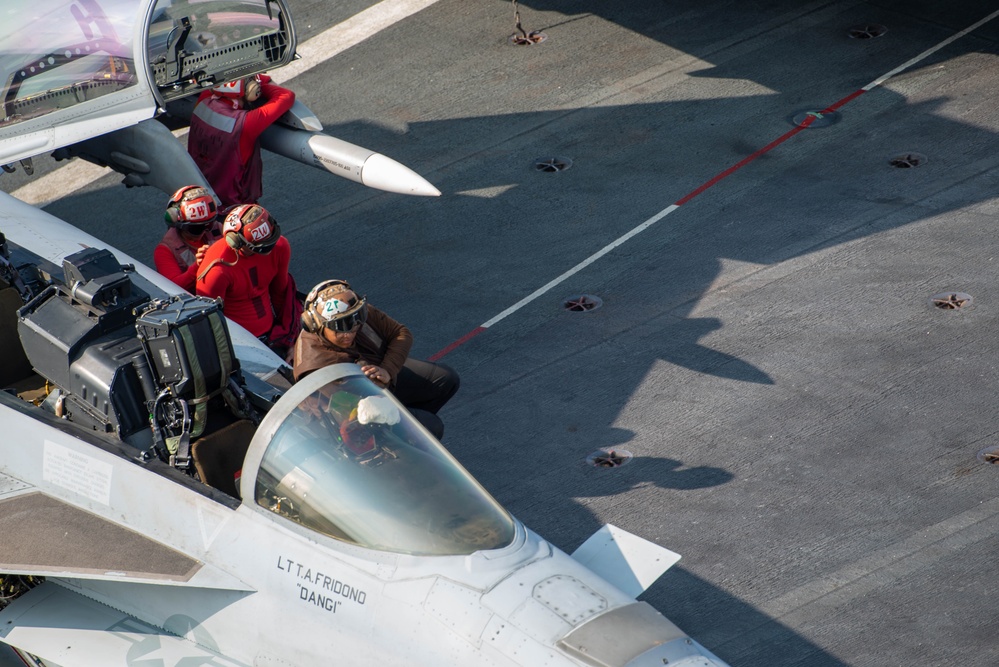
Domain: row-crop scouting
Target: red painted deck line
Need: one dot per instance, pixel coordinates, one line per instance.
(461, 341)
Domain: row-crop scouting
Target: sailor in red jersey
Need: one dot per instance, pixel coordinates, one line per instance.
(249, 271)
(192, 226)
(225, 126)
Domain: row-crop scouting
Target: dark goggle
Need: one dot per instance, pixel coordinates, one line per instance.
(350, 322)
(263, 249)
(193, 228)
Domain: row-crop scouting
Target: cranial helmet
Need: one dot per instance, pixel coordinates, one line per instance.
(234, 89)
(325, 307)
(250, 226)
(192, 206)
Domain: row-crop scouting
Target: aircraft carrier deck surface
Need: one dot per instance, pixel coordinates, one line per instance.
(789, 315)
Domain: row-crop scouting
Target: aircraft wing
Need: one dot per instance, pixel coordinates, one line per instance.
(47, 537)
(68, 629)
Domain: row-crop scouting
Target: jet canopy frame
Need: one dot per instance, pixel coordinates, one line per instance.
(195, 44)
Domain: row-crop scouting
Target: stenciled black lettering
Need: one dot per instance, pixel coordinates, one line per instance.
(325, 582)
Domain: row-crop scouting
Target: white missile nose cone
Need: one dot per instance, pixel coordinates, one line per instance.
(384, 173)
(311, 124)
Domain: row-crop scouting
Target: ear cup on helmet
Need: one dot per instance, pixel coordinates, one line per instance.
(234, 240)
(232, 228)
(172, 215)
(309, 322)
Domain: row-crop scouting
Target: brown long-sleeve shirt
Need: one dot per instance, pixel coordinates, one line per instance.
(381, 341)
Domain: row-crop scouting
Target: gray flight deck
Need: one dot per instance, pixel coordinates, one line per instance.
(804, 423)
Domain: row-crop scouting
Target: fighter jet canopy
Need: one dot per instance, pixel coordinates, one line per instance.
(75, 69)
(341, 457)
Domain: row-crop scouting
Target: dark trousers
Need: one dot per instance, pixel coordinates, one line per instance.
(424, 387)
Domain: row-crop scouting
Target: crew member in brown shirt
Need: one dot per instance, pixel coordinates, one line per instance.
(340, 327)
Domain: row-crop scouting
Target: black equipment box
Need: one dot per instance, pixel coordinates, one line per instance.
(78, 335)
(188, 344)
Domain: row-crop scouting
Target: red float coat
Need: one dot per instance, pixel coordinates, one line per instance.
(252, 289)
(223, 140)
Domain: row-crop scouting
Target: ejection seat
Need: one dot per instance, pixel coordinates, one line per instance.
(201, 413)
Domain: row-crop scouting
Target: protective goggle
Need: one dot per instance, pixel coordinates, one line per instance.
(193, 228)
(352, 319)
